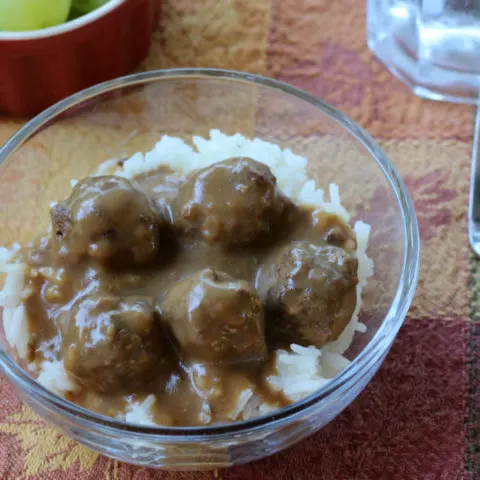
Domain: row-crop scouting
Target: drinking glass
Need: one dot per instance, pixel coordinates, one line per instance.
(431, 45)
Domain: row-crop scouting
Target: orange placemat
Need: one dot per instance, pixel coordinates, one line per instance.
(419, 418)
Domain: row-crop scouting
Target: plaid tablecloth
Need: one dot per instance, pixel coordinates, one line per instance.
(420, 416)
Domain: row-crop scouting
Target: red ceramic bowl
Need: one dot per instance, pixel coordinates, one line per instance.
(40, 67)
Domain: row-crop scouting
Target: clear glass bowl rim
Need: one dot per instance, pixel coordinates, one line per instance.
(376, 346)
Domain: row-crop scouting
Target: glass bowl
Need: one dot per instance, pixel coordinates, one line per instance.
(123, 116)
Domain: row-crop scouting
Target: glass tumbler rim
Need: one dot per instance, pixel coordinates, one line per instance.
(360, 364)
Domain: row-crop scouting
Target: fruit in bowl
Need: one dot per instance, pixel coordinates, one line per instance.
(37, 37)
(17, 15)
(80, 7)
(23, 15)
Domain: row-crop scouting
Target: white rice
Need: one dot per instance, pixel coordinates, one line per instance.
(141, 413)
(244, 398)
(15, 322)
(54, 377)
(300, 371)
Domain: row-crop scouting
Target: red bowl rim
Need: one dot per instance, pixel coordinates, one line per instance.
(64, 27)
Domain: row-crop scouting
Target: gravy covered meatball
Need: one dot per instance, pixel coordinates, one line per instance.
(309, 293)
(234, 202)
(214, 317)
(108, 219)
(114, 344)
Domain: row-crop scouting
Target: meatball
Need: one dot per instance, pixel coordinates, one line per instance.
(234, 202)
(108, 219)
(214, 317)
(309, 293)
(115, 345)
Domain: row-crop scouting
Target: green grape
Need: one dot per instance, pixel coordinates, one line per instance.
(80, 7)
(18, 15)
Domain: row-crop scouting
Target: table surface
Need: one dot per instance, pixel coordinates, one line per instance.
(419, 417)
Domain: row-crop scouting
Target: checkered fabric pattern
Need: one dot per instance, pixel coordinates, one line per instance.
(420, 416)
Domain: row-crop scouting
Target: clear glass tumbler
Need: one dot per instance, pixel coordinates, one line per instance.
(431, 45)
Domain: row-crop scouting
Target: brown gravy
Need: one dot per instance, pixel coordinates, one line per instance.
(189, 391)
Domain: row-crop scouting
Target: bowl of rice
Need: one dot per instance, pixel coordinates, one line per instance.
(187, 120)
